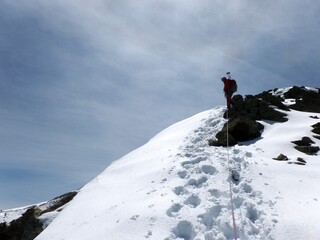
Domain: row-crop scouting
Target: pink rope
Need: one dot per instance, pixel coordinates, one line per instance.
(230, 182)
(232, 211)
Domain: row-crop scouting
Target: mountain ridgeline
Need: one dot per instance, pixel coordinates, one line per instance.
(270, 105)
(194, 185)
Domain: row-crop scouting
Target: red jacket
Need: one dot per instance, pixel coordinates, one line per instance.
(226, 85)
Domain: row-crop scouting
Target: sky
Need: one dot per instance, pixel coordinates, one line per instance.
(82, 83)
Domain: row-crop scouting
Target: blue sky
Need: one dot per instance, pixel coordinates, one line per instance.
(85, 82)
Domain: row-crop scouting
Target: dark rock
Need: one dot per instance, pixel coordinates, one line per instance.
(301, 160)
(317, 125)
(297, 163)
(238, 99)
(256, 109)
(305, 141)
(281, 157)
(264, 107)
(273, 100)
(316, 136)
(241, 128)
(223, 139)
(316, 128)
(28, 227)
(60, 201)
(314, 117)
(304, 145)
(243, 115)
(306, 100)
(267, 113)
(310, 150)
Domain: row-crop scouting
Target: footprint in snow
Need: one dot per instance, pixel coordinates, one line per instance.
(184, 230)
(215, 193)
(236, 151)
(149, 234)
(238, 201)
(197, 183)
(193, 201)
(209, 217)
(246, 188)
(152, 191)
(180, 190)
(208, 169)
(248, 154)
(182, 174)
(173, 210)
(164, 180)
(134, 217)
(252, 213)
(190, 163)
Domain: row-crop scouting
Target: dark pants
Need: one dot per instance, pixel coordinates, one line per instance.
(228, 96)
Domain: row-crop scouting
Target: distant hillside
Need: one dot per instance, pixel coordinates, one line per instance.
(28, 222)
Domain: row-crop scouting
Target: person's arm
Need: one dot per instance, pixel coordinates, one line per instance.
(226, 86)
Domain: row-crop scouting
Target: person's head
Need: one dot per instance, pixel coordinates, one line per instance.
(223, 79)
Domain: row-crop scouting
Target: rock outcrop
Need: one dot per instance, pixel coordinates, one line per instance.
(305, 100)
(243, 116)
(316, 130)
(239, 128)
(28, 226)
(246, 111)
(258, 107)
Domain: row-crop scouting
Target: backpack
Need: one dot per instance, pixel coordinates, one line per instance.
(233, 85)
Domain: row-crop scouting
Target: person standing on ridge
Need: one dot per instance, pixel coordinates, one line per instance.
(230, 87)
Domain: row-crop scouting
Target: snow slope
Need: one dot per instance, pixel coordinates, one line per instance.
(177, 187)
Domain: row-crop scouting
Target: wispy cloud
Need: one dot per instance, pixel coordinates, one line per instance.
(84, 82)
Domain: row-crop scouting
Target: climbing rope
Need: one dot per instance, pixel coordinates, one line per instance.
(230, 182)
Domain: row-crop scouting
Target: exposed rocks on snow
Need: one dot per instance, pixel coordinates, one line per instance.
(241, 128)
(310, 150)
(305, 100)
(242, 122)
(27, 227)
(305, 141)
(281, 157)
(245, 112)
(30, 225)
(316, 136)
(258, 107)
(299, 161)
(304, 145)
(316, 130)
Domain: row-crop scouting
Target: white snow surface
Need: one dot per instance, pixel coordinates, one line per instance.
(177, 187)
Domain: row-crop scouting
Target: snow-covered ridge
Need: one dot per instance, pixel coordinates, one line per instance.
(15, 213)
(305, 99)
(281, 91)
(177, 187)
(27, 222)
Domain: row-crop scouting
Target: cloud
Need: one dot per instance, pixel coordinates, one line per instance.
(83, 83)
